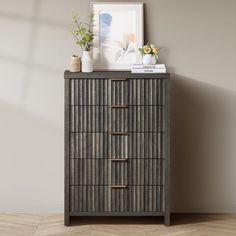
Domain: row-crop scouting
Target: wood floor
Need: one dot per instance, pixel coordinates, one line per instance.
(182, 224)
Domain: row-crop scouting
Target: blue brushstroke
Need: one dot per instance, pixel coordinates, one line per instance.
(105, 20)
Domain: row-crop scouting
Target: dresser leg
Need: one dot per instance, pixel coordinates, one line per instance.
(67, 220)
(167, 218)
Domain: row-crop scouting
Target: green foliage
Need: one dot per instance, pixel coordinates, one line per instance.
(83, 31)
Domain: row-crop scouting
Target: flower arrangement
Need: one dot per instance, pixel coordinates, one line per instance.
(83, 31)
(149, 49)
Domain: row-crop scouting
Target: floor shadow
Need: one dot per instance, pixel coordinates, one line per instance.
(75, 221)
(176, 219)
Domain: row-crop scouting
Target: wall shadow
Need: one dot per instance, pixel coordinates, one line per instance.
(202, 159)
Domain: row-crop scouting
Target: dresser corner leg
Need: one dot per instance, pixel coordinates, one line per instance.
(67, 220)
(167, 218)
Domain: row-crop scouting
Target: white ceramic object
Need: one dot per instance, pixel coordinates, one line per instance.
(149, 59)
(75, 64)
(87, 62)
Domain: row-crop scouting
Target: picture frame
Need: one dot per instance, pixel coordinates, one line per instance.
(118, 34)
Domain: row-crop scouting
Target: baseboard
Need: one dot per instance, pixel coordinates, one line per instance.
(32, 208)
(207, 209)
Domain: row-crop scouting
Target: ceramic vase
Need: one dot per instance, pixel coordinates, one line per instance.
(75, 64)
(149, 59)
(87, 62)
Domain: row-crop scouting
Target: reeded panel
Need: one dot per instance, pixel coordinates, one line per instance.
(86, 171)
(118, 146)
(89, 92)
(113, 92)
(120, 172)
(90, 118)
(147, 119)
(147, 92)
(146, 172)
(146, 145)
(89, 145)
(105, 118)
(119, 92)
(89, 198)
(104, 198)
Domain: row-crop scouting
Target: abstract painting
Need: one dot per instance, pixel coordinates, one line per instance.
(118, 30)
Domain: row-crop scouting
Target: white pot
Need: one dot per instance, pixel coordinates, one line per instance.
(149, 59)
(87, 62)
(75, 64)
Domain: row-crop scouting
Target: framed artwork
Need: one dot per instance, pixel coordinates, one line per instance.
(118, 29)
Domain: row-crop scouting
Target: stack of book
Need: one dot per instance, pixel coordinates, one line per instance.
(140, 68)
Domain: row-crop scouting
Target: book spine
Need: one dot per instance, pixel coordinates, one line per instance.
(141, 66)
(148, 70)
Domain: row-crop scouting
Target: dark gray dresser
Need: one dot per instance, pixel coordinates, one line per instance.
(117, 144)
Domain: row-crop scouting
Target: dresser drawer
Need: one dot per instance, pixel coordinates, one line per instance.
(146, 172)
(87, 171)
(89, 118)
(147, 119)
(107, 199)
(90, 92)
(147, 92)
(118, 118)
(98, 172)
(117, 172)
(147, 145)
(118, 92)
(106, 145)
(89, 145)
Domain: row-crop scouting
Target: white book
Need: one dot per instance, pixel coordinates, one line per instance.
(142, 66)
(134, 70)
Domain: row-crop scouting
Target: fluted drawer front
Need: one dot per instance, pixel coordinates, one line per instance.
(106, 118)
(118, 146)
(90, 92)
(90, 118)
(117, 172)
(147, 145)
(147, 118)
(104, 198)
(146, 172)
(106, 145)
(89, 145)
(86, 171)
(114, 92)
(119, 92)
(147, 92)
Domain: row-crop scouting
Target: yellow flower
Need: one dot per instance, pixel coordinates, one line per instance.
(156, 50)
(147, 50)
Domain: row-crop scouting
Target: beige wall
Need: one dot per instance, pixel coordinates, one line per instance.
(198, 40)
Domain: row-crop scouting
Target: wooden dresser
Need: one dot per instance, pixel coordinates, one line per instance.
(117, 144)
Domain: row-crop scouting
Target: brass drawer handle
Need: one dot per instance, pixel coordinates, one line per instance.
(119, 159)
(117, 186)
(118, 79)
(119, 106)
(119, 133)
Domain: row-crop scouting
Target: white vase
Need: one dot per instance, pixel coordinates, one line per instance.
(149, 59)
(87, 62)
(75, 64)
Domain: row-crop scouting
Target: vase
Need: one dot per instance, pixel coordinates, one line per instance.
(87, 62)
(149, 59)
(75, 64)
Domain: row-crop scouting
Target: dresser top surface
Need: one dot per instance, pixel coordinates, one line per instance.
(115, 74)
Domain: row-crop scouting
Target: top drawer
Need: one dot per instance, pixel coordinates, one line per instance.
(118, 92)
